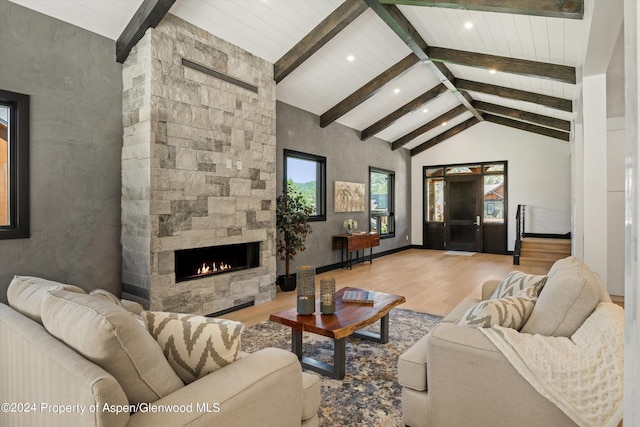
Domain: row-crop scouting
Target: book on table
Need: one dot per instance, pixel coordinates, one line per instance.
(358, 297)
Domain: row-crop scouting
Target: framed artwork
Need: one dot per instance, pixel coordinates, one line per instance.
(348, 197)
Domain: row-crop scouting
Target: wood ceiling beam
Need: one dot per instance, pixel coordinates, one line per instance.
(407, 108)
(538, 119)
(393, 17)
(345, 14)
(444, 136)
(568, 9)
(454, 112)
(368, 90)
(148, 15)
(520, 95)
(527, 127)
(560, 73)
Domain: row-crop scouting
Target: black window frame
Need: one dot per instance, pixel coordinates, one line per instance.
(391, 191)
(321, 180)
(18, 147)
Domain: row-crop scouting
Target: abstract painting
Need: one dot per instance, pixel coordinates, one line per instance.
(348, 197)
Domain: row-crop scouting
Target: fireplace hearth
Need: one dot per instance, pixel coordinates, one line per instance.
(197, 263)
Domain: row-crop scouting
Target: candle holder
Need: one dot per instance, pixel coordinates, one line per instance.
(306, 285)
(328, 295)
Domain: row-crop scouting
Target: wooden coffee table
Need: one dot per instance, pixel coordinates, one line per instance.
(347, 321)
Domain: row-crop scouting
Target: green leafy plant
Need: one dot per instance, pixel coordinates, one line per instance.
(292, 213)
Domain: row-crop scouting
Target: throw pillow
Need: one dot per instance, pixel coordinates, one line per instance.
(25, 294)
(517, 281)
(107, 335)
(509, 312)
(195, 345)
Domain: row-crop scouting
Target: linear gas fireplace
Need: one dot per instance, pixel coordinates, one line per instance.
(202, 262)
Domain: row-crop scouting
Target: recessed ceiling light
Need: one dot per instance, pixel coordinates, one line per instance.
(444, 123)
(492, 71)
(426, 110)
(468, 25)
(396, 90)
(350, 58)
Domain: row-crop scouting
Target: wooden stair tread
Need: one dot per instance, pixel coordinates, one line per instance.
(552, 248)
(533, 258)
(563, 242)
(544, 252)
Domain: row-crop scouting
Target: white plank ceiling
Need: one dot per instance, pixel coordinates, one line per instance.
(270, 28)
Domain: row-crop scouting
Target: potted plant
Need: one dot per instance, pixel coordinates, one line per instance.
(292, 213)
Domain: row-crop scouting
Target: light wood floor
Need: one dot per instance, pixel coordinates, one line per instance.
(431, 281)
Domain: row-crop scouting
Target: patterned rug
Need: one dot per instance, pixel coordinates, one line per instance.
(369, 394)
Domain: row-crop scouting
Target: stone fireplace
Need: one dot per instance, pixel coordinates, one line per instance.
(198, 172)
(201, 262)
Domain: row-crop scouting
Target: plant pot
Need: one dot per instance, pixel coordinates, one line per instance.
(287, 284)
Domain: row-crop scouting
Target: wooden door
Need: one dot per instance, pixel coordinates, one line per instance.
(463, 213)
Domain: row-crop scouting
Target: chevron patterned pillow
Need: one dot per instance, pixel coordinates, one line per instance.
(517, 281)
(194, 345)
(509, 312)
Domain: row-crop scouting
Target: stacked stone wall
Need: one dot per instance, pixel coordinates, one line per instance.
(208, 175)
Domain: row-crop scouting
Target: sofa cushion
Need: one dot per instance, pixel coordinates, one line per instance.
(108, 296)
(412, 365)
(107, 335)
(573, 262)
(311, 398)
(195, 346)
(509, 312)
(562, 264)
(517, 281)
(25, 294)
(568, 298)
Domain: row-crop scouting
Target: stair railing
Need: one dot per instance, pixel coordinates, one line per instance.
(520, 232)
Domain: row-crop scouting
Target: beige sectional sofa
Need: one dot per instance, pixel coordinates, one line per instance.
(456, 376)
(46, 382)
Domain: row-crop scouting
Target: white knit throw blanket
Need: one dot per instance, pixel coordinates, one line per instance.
(581, 375)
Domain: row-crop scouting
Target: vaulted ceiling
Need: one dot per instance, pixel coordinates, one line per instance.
(411, 72)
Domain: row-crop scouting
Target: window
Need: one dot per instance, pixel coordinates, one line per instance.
(14, 165)
(307, 173)
(381, 190)
(494, 198)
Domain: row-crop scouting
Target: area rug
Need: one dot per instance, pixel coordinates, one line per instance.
(369, 394)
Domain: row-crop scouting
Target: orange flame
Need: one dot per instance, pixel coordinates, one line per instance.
(213, 268)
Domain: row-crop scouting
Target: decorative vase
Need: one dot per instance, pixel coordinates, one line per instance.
(328, 295)
(349, 231)
(306, 285)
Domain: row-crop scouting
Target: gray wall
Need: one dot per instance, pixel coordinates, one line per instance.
(75, 86)
(348, 159)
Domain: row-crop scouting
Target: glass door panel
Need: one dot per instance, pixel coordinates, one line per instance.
(494, 199)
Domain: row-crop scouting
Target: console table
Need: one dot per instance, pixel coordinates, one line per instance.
(348, 243)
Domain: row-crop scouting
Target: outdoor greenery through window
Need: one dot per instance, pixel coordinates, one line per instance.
(382, 189)
(307, 173)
